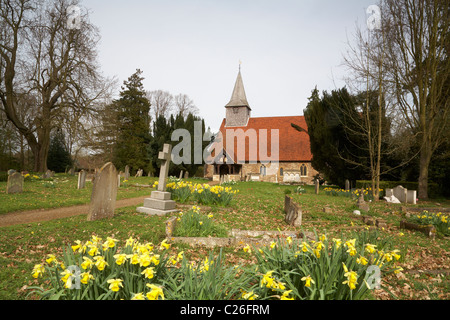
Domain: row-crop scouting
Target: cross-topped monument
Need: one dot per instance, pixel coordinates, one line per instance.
(160, 203)
(165, 157)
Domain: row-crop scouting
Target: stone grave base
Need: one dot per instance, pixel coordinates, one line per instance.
(158, 204)
(236, 237)
(429, 231)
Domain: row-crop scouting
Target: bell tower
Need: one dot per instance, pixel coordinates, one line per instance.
(237, 110)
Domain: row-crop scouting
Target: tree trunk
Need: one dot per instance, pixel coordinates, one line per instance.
(425, 159)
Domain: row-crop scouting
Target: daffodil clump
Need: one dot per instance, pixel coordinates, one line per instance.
(439, 220)
(321, 269)
(354, 193)
(99, 270)
(193, 223)
(183, 191)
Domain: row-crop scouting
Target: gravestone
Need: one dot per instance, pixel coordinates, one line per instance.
(160, 202)
(411, 196)
(15, 183)
(11, 171)
(48, 174)
(104, 192)
(139, 173)
(186, 175)
(362, 204)
(293, 212)
(118, 180)
(181, 175)
(400, 193)
(296, 177)
(72, 171)
(81, 179)
(127, 172)
(316, 185)
(347, 185)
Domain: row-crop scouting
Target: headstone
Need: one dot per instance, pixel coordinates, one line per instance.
(296, 177)
(72, 171)
(160, 202)
(104, 192)
(411, 196)
(186, 175)
(81, 179)
(293, 212)
(327, 210)
(316, 185)
(127, 172)
(400, 193)
(118, 180)
(47, 174)
(347, 185)
(11, 171)
(357, 212)
(362, 204)
(181, 174)
(15, 183)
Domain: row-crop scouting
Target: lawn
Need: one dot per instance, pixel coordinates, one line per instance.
(258, 206)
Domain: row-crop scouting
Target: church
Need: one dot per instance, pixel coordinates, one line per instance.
(259, 149)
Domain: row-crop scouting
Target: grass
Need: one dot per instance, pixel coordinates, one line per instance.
(258, 206)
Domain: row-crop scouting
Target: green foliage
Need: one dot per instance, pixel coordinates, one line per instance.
(58, 154)
(439, 220)
(195, 224)
(133, 120)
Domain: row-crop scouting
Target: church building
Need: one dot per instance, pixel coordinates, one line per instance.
(259, 149)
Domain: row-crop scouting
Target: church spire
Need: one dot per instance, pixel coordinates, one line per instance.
(238, 98)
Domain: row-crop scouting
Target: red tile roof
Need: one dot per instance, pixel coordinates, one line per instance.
(293, 145)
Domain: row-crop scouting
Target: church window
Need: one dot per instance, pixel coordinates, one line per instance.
(303, 170)
(262, 170)
(281, 171)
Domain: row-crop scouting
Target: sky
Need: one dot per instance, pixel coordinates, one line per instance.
(286, 48)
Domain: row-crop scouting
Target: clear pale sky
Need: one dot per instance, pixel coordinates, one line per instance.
(287, 47)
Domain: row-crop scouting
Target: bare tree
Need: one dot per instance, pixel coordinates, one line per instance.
(418, 67)
(57, 66)
(161, 103)
(184, 105)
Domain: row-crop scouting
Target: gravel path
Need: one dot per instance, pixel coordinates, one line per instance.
(21, 217)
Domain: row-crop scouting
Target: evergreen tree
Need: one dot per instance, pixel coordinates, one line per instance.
(58, 154)
(133, 118)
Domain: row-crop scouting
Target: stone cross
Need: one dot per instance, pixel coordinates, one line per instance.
(165, 156)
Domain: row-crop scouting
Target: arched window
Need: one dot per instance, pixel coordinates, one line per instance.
(303, 170)
(281, 171)
(262, 170)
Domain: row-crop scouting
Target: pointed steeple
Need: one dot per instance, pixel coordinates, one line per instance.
(238, 98)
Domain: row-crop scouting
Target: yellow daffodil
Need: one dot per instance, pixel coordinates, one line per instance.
(134, 258)
(148, 272)
(120, 258)
(67, 278)
(395, 254)
(77, 247)
(352, 278)
(370, 248)
(129, 242)
(138, 296)
(361, 260)
(115, 284)
(51, 258)
(308, 280)
(38, 270)
(87, 263)
(305, 246)
(85, 277)
(100, 262)
(247, 249)
(155, 293)
(249, 295)
(337, 242)
(272, 245)
(285, 295)
(267, 279)
(289, 239)
(164, 245)
(398, 270)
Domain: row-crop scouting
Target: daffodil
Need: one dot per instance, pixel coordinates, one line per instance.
(87, 263)
(67, 278)
(247, 249)
(164, 245)
(337, 242)
(398, 270)
(370, 248)
(149, 272)
(77, 247)
(351, 276)
(155, 293)
(249, 295)
(100, 262)
(51, 258)
(285, 295)
(129, 242)
(267, 279)
(361, 260)
(308, 280)
(305, 246)
(85, 277)
(272, 245)
(138, 296)
(120, 258)
(289, 239)
(38, 270)
(115, 284)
